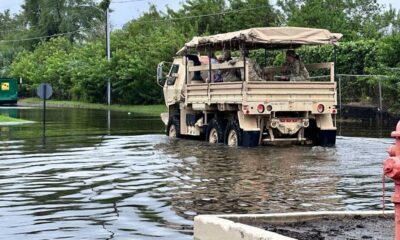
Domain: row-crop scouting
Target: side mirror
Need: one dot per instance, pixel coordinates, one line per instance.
(160, 75)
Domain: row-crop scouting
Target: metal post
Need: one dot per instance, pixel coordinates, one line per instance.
(106, 11)
(109, 122)
(265, 57)
(334, 62)
(380, 94)
(209, 65)
(265, 63)
(340, 94)
(244, 63)
(186, 68)
(44, 113)
(44, 104)
(340, 104)
(108, 53)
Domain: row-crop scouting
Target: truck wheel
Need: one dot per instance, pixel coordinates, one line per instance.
(215, 131)
(327, 138)
(324, 138)
(312, 132)
(233, 134)
(173, 128)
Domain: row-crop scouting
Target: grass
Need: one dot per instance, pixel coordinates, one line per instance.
(8, 119)
(147, 110)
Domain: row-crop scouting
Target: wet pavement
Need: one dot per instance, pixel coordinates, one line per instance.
(123, 179)
(349, 228)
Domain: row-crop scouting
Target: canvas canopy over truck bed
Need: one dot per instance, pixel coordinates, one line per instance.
(269, 37)
(250, 110)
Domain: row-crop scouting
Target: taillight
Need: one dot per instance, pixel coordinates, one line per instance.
(260, 108)
(320, 108)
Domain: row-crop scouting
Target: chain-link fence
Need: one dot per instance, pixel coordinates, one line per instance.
(365, 90)
(379, 91)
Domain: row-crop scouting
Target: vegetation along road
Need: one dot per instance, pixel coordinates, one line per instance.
(8, 119)
(148, 110)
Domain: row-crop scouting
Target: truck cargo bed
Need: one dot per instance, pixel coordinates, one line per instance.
(272, 91)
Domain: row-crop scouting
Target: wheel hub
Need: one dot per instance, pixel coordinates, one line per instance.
(232, 138)
(172, 131)
(213, 137)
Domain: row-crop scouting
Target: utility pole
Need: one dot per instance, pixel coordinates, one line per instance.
(108, 54)
(105, 5)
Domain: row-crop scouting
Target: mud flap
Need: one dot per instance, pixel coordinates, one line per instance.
(251, 138)
(327, 138)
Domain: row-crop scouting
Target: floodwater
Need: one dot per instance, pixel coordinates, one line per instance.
(94, 179)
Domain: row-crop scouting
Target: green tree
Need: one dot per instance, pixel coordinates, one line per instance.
(89, 70)
(389, 51)
(11, 28)
(250, 13)
(47, 18)
(315, 13)
(137, 49)
(45, 64)
(353, 18)
(200, 16)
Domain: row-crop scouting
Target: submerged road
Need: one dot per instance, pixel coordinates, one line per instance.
(85, 180)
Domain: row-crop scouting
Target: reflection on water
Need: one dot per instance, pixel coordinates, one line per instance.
(366, 128)
(133, 183)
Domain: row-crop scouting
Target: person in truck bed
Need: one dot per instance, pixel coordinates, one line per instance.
(254, 69)
(229, 75)
(294, 68)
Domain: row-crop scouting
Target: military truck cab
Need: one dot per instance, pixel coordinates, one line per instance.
(249, 111)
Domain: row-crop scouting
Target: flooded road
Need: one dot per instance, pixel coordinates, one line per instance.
(125, 180)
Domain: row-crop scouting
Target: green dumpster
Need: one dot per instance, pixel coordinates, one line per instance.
(8, 91)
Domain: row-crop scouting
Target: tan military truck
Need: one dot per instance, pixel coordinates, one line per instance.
(249, 112)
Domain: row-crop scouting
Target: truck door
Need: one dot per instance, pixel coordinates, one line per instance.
(171, 91)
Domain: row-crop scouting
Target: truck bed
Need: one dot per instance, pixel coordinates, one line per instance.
(270, 91)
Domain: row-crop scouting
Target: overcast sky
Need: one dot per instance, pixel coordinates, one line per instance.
(127, 10)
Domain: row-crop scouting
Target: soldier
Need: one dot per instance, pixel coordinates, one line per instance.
(229, 75)
(255, 71)
(294, 69)
(227, 55)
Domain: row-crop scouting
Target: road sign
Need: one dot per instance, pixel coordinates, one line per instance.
(44, 91)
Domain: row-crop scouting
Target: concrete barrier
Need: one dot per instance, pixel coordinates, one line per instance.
(234, 226)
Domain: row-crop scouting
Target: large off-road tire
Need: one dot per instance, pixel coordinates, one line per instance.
(233, 134)
(312, 132)
(327, 138)
(174, 127)
(324, 138)
(215, 131)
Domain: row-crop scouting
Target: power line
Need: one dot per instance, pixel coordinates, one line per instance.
(203, 15)
(36, 38)
(127, 1)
